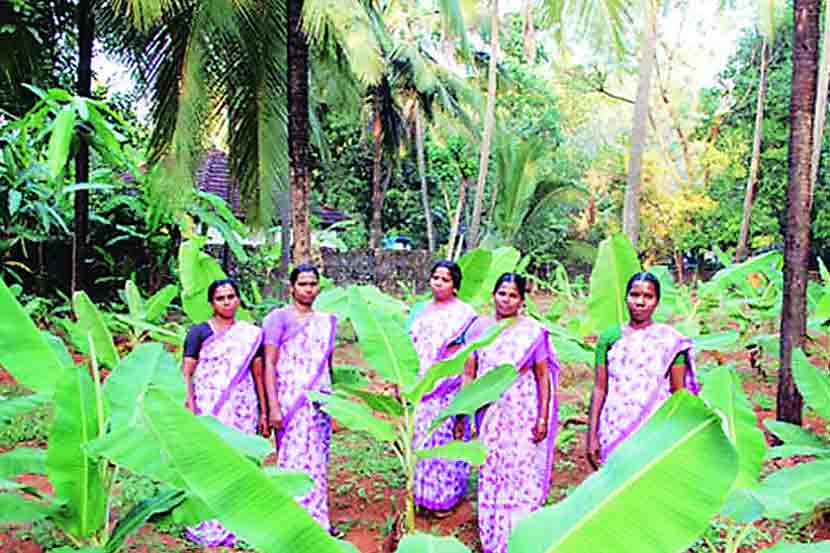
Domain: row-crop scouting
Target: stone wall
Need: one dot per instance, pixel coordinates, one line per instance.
(390, 270)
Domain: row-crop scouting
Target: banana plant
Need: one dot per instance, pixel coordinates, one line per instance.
(667, 481)
(144, 318)
(135, 421)
(389, 351)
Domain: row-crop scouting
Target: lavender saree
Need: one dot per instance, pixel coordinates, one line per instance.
(515, 478)
(439, 484)
(303, 365)
(638, 363)
(223, 387)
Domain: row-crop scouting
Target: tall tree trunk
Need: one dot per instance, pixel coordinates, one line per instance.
(752, 181)
(821, 98)
(80, 235)
(489, 124)
(648, 46)
(456, 218)
(284, 204)
(298, 129)
(375, 230)
(799, 203)
(529, 34)
(422, 173)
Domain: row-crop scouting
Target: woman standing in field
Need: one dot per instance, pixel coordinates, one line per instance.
(519, 429)
(638, 366)
(223, 366)
(437, 332)
(298, 348)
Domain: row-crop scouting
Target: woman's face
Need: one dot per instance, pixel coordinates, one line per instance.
(642, 301)
(441, 284)
(507, 299)
(225, 302)
(305, 289)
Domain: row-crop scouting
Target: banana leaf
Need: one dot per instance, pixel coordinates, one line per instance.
(381, 403)
(156, 305)
(252, 446)
(92, 325)
(666, 481)
(244, 499)
(668, 293)
(384, 343)
(427, 543)
(196, 271)
(616, 262)
(478, 393)
(718, 341)
(14, 407)
(355, 416)
(813, 385)
(454, 365)
(75, 476)
(504, 260)
(795, 490)
(16, 509)
(125, 388)
(139, 514)
(24, 351)
(135, 303)
(137, 449)
(475, 266)
(22, 460)
(724, 394)
(473, 452)
(796, 436)
(742, 506)
(292, 482)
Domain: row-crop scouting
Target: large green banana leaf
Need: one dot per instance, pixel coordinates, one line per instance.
(22, 460)
(355, 416)
(723, 392)
(427, 543)
(24, 351)
(136, 517)
(126, 386)
(382, 403)
(196, 271)
(616, 262)
(656, 493)
(505, 260)
(813, 385)
(796, 489)
(454, 365)
(75, 476)
(92, 325)
(135, 448)
(135, 303)
(11, 408)
(156, 305)
(244, 499)
(478, 393)
(384, 343)
(475, 266)
(15, 508)
(472, 451)
(797, 440)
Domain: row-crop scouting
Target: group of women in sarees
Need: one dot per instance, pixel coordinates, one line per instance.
(258, 381)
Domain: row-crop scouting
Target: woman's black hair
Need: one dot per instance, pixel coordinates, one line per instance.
(515, 278)
(455, 271)
(222, 282)
(643, 276)
(303, 268)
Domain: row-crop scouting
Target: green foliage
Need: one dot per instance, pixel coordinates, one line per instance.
(616, 262)
(640, 485)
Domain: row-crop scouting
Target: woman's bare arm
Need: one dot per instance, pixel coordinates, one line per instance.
(541, 373)
(188, 368)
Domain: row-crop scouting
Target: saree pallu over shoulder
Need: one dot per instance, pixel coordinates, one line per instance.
(638, 364)
(223, 387)
(515, 479)
(439, 484)
(303, 444)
